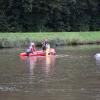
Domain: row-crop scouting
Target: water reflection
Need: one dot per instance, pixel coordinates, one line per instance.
(50, 62)
(98, 62)
(44, 65)
(97, 58)
(74, 76)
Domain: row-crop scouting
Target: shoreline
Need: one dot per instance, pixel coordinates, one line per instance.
(13, 40)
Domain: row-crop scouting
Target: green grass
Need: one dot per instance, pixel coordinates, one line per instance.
(55, 38)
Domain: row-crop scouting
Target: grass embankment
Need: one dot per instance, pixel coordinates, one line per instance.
(55, 38)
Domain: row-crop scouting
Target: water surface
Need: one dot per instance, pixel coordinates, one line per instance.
(73, 74)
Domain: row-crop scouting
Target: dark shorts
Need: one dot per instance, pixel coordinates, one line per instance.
(44, 48)
(28, 52)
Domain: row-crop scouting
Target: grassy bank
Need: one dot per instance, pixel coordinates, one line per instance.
(55, 38)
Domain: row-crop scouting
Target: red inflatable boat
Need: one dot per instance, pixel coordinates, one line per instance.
(39, 53)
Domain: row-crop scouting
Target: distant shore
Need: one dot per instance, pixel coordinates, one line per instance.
(13, 40)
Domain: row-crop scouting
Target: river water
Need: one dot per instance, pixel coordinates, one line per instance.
(72, 74)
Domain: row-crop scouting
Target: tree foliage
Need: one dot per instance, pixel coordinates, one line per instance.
(49, 15)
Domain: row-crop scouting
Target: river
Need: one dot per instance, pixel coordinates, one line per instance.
(72, 74)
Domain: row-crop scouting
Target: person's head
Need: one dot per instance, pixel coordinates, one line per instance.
(32, 44)
(46, 40)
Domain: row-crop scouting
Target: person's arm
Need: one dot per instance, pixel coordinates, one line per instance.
(34, 49)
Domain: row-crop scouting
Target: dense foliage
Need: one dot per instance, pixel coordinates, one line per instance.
(49, 15)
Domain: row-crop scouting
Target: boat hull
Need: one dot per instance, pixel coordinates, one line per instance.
(39, 53)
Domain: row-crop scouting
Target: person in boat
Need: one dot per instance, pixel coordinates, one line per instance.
(31, 48)
(48, 49)
(44, 43)
(46, 46)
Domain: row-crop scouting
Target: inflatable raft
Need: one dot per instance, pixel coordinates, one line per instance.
(39, 53)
